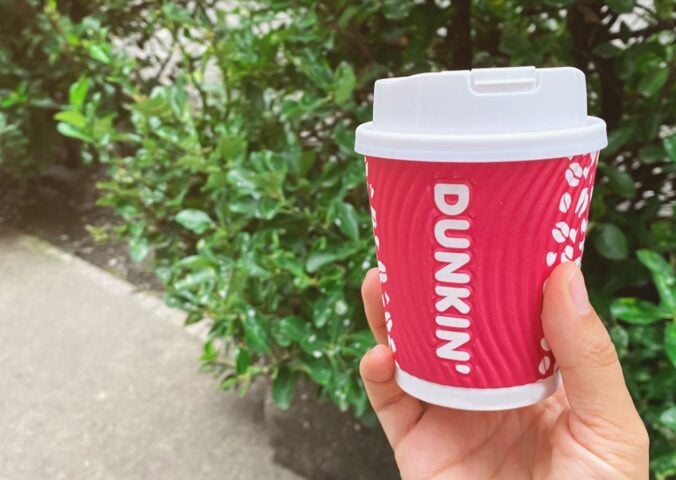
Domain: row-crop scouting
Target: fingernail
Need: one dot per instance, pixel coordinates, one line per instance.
(578, 293)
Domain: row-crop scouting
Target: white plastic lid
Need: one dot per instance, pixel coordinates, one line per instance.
(482, 115)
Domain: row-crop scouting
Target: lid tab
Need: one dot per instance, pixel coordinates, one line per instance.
(503, 80)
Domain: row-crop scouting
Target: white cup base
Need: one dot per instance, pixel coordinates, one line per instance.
(477, 398)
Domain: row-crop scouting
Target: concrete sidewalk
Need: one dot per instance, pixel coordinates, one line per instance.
(98, 382)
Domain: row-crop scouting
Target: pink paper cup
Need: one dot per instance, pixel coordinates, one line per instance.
(473, 204)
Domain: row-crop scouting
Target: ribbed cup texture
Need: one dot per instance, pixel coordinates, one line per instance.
(524, 219)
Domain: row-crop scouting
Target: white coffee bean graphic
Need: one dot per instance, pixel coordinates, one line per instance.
(578, 261)
(595, 158)
(585, 172)
(560, 232)
(583, 225)
(464, 369)
(544, 365)
(563, 226)
(573, 234)
(393, 347)
(573, 174)
(382, 272)
(388, 325)
(377, 241)
(551, 258)
(371, 191)
(581, 246)
(544, 344)
(582, 202)
(567, 254)
(565, 202)
(373, 217)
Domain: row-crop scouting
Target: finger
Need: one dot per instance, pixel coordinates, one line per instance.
(373, 305)
(589, 365)
(397, 411)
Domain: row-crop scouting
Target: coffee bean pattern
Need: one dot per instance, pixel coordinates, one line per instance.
(569, 230)
(382, 268)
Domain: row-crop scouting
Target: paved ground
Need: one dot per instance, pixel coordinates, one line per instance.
(100, 382)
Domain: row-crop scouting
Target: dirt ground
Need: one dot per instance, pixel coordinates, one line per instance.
(312, 437)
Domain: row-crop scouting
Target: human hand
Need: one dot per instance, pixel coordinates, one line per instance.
(589, 429)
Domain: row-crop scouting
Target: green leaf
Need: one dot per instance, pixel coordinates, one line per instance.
(664, 466)
(320, 259)
(343, 135)
(347, 220)
(70, 131)
(396, 9)
(209, 352)
(651, 154)
(302, 163)
(193, 317)
(242, 361)
(620, 182)
(72, 118)
(315, 67)
(246, 181)
(668, 418)
(617, 138)
(194, 220)
(231, 146)
(78, 92)
(620, 338)
(156, 106)
(665, 11)
(229, 382)
(653, 81)
(292, 329)
(195, 279)
(514, 42)
(255, 334)
(348, 14)
(606, 50)
(139, 248)
(638, 312)
(663, 277)
(100, 52)
(621, 6)
(670, 146)
(611, 242)
(670, 342)
(343, 83)
(319, 370)
(284, 386)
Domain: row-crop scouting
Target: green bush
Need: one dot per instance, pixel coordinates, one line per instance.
(233, 162)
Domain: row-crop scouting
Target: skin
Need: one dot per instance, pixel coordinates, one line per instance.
(589, 429)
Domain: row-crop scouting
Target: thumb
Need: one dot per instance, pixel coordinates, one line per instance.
(586, 356)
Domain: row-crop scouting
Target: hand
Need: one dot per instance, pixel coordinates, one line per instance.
(590, 430)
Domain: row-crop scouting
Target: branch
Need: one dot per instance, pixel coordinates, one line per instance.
(583, 21)
(645, 32)
(460, 35)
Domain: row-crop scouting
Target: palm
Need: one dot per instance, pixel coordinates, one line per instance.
(532, 442)
(592, 431)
